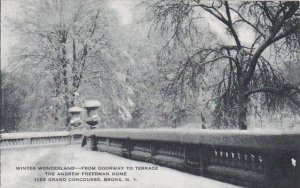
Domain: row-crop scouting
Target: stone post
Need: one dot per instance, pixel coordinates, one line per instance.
(92, 142)
(75, 119)
(92, 107)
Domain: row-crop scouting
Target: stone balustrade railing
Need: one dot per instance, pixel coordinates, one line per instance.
(33, 139)
(247, 158)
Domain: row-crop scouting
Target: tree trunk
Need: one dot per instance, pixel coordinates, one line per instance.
(66, 94)
(56, 80)
(242, 88)
(64, 63)
(242, 111)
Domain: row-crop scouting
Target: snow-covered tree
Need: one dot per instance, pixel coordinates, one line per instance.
(61, 38)
(239, 71)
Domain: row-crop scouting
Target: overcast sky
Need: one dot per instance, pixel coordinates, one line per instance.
(122, 7)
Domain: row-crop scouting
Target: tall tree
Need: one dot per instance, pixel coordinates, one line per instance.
(245, 71)
(61, 37)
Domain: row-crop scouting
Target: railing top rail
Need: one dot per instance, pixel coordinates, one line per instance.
(257, 139)
(21, 135)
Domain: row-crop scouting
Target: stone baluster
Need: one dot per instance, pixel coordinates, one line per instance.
(153, 149)
(233, 160)
(246, 161)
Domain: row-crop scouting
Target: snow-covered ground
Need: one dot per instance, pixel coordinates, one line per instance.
(74, 156)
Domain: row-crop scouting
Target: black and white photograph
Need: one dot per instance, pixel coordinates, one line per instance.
(149, 94)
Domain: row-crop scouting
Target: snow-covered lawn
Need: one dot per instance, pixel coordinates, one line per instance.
(74, 156)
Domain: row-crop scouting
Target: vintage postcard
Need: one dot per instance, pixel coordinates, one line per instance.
(150, 94)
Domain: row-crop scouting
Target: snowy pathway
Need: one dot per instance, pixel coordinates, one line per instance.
(74, 156)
